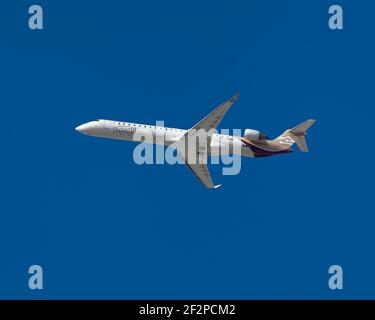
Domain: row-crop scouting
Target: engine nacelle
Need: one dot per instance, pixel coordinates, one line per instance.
(254, 135)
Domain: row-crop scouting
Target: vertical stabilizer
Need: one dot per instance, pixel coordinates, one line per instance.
(296, 135)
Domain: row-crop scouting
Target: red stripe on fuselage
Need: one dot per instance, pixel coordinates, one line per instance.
(260, 152)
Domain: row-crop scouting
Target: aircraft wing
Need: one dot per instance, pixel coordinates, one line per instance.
(200, 170)
(212, 120)
(202, 174)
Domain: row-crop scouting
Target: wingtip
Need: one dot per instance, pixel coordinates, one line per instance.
(234, 98)
(217, 186)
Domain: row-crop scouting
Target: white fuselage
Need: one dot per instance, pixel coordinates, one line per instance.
(193, 146)
(220, 143)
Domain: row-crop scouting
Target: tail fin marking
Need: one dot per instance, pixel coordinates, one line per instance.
(297, 135)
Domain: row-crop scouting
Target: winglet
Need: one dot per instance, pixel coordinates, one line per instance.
(217, 186)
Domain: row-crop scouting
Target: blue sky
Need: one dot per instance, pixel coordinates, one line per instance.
(103, 227)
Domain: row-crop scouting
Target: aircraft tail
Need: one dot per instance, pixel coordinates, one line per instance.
(296, 135)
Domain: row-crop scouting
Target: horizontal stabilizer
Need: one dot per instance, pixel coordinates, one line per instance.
(303, 127)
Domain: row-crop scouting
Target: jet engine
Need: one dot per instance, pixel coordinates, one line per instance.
(254, 135)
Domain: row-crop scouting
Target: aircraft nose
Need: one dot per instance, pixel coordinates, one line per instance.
(83, 128)
(80, 128)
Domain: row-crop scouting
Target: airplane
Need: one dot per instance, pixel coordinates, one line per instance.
(252, 144)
